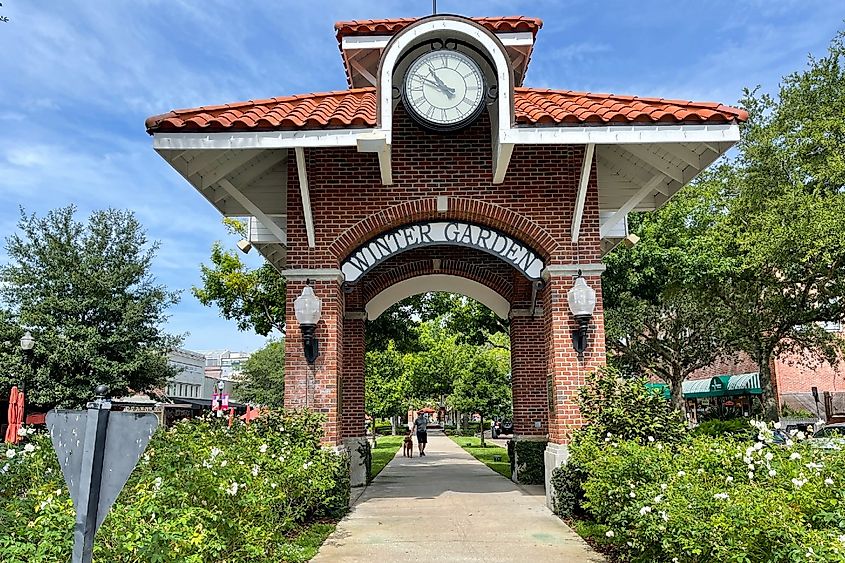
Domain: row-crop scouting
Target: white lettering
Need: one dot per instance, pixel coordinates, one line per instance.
(404, 238)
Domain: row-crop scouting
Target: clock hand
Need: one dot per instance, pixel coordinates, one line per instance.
(448, 91)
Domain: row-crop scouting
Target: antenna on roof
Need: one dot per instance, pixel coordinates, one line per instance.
(433, 7)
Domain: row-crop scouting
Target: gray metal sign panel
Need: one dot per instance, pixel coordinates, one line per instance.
(127, 436)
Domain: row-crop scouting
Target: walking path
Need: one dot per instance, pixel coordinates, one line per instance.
(448, 506)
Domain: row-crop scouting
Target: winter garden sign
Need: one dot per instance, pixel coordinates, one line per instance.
(494, 242)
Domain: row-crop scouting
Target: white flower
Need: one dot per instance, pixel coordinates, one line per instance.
(223, 463)
(801, 436)
(157, 484)
(307, 465)
(675, 560)
(794, 456)
(729, 479)
(663, 486)
(788, 443)
(263, 448)
(814, 465)
(750, 475)
(609, 533)
(632, 494)
(799, 482)
(769, 456)
(658, 499)
(645, 510)
(758, 446)
(828, 481)
(751, 466)
(651, 438)
(10, 453)
(777, 425)
(255, 471)
(21, 431)
(659, 446)
(681, 473)
(842, 538)
(5, 468)
(215, 452)
(721, 496)
(233, 488)
(58, 492)
(772, 472)
(274, 485)
(664, 515)
(29, 448)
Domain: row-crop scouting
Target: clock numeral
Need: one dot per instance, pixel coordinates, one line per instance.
(443, 114)
(429, 113)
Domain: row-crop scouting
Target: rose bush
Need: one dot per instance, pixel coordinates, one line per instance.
(716, 499)
(201, 492)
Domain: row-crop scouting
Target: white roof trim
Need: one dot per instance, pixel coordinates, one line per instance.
(259, 140)
(510, 39)
(621, 134)
(574, 135)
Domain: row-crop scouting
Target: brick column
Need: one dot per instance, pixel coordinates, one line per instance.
(352, 376)
(528, 374)
(316, 387)
(565, 372)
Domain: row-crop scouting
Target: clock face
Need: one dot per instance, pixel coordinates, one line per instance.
(444, 89)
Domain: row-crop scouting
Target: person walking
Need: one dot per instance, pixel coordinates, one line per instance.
(421, 424)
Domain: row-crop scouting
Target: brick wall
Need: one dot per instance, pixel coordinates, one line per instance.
(350, 206)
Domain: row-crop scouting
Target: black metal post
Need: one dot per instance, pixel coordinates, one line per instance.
(91, 477)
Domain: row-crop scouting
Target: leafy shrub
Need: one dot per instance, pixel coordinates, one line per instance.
(614, 408)
(736, 427)
(531, 459)
(717, 499)
(201, 492)
(617, 407)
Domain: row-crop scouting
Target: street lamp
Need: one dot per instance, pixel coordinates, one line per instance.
(308, 308)
(582, 303)
(27, 343)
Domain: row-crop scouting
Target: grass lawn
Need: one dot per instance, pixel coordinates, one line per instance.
(386, 448)
(304, 546)
(485, 455)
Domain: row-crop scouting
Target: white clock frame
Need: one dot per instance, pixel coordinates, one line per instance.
(476, 107)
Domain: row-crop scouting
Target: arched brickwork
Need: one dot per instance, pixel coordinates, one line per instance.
(459, 209)
(466, 263)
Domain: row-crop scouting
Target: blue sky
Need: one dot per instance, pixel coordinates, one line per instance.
(77, 80)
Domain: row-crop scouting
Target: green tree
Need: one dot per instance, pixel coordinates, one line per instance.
(263, 376)
(484, 387)
(658, 324)
(386, 387)
(86, 293)
(252, 297)
(776, 268)
(434, 369)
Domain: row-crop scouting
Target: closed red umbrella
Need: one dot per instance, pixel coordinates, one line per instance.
(16, 400)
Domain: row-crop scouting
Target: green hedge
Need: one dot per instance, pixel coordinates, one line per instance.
(530, 455)
(201, 492)
(736, 427)
(710, 499)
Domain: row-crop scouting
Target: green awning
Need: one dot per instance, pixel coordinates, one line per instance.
(660, 388)
(723, 386)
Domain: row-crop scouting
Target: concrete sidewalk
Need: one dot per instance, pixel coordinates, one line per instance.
(448, 506)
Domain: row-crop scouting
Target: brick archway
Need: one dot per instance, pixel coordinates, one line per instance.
(448, 209)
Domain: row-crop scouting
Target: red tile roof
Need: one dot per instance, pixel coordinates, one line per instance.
(503, 24)
(357, 108)
(534, 106)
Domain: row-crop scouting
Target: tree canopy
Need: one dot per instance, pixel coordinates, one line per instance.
(86, 293)
(252, 297)
(263, 376)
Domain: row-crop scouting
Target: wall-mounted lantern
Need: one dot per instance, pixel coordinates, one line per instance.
(582, 303)
(308, 308)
